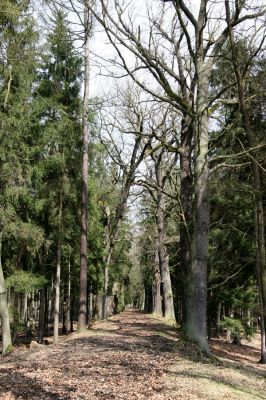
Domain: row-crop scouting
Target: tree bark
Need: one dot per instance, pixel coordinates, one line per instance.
(68, 316)
(196, 291)
(107, 261)
(25, 307)
(58, 267)
(82, 318)
(4, 315)
(41, 316)
(57, 294)
(186, 194)
(43, 299)
(167, 293)
(156, 284)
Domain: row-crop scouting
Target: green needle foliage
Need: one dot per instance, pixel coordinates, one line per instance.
(25, 282)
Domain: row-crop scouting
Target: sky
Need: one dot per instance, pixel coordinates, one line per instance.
(102, 52)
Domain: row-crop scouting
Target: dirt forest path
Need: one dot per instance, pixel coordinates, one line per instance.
(131, 356)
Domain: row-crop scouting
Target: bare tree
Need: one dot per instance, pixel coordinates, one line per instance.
(176, 48)
(161, 166)
(129, 121)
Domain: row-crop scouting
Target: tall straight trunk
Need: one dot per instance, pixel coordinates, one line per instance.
(107, 258)
(68, 316)
(50, 301)
(107, 261)
(41, 326)
(148, 300)
(167, 293)
(4, 315)
(58, 270)
(57, 294)
(195, 328)
(25, 307)
(43, 301)
(156, 284)
(185, 211)
(218, 318)
(64, 312)
(257, 186)
(82, 318)
(90, 305)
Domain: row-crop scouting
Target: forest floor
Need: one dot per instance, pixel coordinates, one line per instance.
(131, 356)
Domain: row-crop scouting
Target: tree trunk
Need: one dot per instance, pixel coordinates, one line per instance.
(218, 318)
(106, 282)
(148, 299)
(68, 316)
(57, 294)
(25, 307)
(186, 206)
(156, 285)
(4, 315)
(167, 293)
(82, 318)
(41, 316)
(196, 291)
(43, 299)
(50, 303)
(58, 268)
(90, 303)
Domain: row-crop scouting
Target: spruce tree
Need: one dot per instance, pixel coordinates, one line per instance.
(58, 91)
(18, 40)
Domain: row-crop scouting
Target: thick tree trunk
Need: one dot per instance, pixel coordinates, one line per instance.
(196, 291)
(156, 284)
(148, 300)
(167, 293)
(82, 318)
(168, 300)
(186, 206)
(4, 315)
